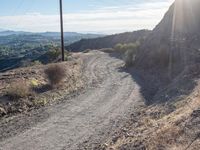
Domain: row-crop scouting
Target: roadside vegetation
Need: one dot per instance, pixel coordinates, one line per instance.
(55, 74)
(28, 88)
(173, 125)
(17, 90)
(54, 54)
(128, 51)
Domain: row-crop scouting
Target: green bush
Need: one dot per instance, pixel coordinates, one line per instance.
(129, 57)
(87, 51)
(53, 54)
(129, 52)
(36, 63)
(119, 47)
(122, 48)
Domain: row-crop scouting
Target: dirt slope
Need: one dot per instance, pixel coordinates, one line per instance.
(93, 114)
(39, 94)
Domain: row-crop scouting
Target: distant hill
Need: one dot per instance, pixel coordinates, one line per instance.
(70, 34)
(108, 41)
(15, 43)
(9, 32)
(48, 34)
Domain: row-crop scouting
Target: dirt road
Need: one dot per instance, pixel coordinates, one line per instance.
(111, 96)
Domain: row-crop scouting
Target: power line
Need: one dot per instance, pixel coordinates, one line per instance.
(19, 20)
(17, 8)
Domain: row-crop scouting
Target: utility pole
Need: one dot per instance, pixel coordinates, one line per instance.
(62, 33)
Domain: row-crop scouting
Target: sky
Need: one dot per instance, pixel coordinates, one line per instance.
(85, 16)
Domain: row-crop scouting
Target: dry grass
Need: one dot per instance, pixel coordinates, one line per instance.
(164, 137)
(17, 90)
(55, 74)
(19, 82)
(157, 128)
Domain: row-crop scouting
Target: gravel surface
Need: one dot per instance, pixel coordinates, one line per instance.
(93, 114)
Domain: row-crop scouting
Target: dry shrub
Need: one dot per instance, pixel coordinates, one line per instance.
(87, 51)
(165, 137)
(55, 74)
(18, 90)
(129, 52)
(107, 50)
(36, 63)
(123, 48)
(128, 58)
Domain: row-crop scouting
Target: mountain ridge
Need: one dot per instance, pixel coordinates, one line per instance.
(108, 41)
(47, 33)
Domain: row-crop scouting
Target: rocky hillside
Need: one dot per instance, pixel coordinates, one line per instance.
(174, 43)
(108, 41)
(170, 56)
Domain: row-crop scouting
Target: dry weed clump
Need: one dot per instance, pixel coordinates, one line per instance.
(17, 90)
(55, 74)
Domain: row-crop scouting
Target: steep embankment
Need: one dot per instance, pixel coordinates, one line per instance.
(108, 41)
(171, 51)
(175, 41)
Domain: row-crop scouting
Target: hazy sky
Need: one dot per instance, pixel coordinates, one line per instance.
(99, 16)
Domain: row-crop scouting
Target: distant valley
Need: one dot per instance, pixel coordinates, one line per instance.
(19, 45)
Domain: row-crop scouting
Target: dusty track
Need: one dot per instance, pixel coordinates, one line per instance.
(109, 98)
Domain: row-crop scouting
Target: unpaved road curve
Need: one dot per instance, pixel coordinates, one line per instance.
(111, 96)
